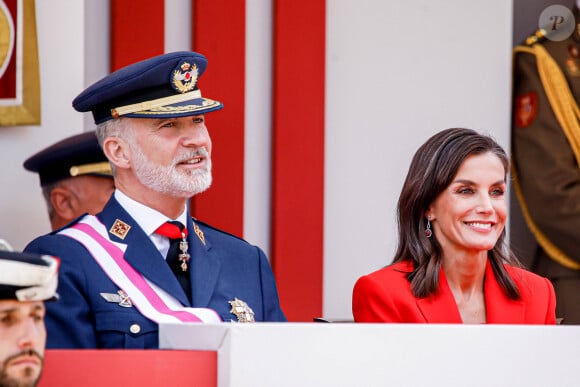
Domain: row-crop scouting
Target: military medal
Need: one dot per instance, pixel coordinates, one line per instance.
(526, 109)
(183, 255)
(573, 61)
(242, 310)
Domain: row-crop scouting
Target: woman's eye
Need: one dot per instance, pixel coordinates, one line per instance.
(465, 190)
(497, 192)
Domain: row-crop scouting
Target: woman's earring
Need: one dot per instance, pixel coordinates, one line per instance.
(428, 232)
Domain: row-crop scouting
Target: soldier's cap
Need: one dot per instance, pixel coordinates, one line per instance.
(164, 86)
(73, 156)
(28, 277)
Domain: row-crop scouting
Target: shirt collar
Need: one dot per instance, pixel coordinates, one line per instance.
(147, 218)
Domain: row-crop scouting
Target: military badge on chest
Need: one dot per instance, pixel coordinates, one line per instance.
(183, 255)
(525, 109)
(573, 61)
(120, 298)
(242, 310)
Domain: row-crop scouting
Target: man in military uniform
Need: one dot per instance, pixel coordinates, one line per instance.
(143, 260)
(26, 281)
(546, 151)
(75, 177)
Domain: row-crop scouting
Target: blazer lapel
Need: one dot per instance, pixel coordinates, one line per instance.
(205, 266)
(440, 307)
(141, 253)
(500, 309)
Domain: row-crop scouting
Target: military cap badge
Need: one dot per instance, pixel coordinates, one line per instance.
(184, 77)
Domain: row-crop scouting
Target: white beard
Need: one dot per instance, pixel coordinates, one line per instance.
(168, 179)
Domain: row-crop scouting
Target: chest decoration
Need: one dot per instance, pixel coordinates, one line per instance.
(242, 310)
(120, 298)
(573, 61)
(525, 109)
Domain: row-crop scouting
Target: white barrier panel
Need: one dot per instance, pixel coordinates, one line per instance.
(346, 354)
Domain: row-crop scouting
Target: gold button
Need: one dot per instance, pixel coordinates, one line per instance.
(135, 328)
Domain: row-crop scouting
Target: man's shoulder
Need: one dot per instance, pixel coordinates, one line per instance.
(215, 232)
(55, 242)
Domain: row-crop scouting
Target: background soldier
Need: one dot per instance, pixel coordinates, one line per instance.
(75, 177)
(546, 151)
(26, 281)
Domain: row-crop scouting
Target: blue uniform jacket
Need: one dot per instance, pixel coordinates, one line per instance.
(226, 267)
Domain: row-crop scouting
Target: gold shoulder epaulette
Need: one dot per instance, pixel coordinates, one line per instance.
(538, 36)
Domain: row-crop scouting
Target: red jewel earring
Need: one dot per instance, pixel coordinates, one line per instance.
(428, 232)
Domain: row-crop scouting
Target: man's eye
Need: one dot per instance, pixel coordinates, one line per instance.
(6, 319)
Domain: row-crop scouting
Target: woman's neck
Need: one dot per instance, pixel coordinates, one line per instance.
(465, 276)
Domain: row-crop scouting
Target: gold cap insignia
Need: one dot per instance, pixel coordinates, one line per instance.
(102, 168)
(120, 229)
(242, 310)
(199, 233)
(184, 77)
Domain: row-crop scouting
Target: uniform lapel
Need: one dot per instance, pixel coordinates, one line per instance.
(500, 309)
(440, 307)
(205, 266)
(141, 253)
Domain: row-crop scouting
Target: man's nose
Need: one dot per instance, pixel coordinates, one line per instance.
(29, 333)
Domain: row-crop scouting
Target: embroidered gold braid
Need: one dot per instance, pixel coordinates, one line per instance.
(567, 113)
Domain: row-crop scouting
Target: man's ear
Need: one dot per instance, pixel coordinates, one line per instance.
(64, 203)
(117, 151)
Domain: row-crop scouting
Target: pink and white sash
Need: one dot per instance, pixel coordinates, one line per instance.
(152, 301)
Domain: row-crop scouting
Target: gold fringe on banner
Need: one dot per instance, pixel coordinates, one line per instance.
(27, 110)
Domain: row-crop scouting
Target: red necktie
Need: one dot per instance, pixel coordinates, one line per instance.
(171, 230)
(177, 256)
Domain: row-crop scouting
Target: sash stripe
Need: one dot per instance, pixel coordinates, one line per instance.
(132, 275)
(150, 300)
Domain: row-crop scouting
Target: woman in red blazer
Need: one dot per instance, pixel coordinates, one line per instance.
(452, 264)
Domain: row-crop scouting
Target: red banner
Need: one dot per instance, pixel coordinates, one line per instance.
(8, 31)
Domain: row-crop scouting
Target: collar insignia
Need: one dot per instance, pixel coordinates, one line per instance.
(120, 229)
(199, 233)
(242, 311)
(120, 298)
(184, 77)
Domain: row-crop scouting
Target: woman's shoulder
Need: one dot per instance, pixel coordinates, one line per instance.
(526, 279)
(390, 273)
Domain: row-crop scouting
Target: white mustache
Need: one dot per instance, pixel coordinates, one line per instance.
(201, 152)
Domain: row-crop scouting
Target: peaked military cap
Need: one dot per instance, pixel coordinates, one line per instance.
(28, 277)
(164, 86)
(76, 155)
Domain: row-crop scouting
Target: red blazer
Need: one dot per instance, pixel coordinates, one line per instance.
(385, 296)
